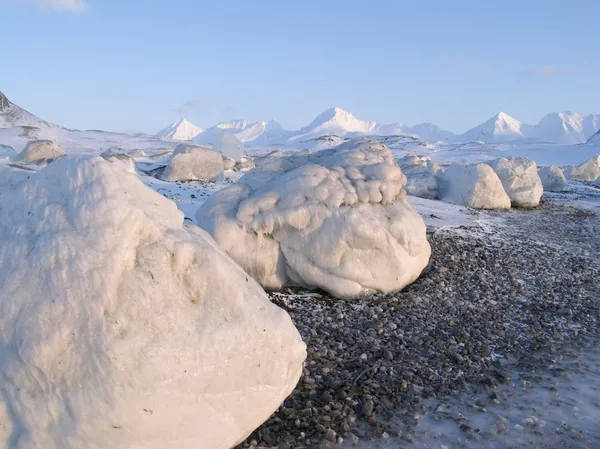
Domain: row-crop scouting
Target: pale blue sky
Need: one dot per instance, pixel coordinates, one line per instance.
(139, 65)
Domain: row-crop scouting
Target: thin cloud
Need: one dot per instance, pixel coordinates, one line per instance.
(74, 6)
(465, 64)
(191, 105)
(549, 70)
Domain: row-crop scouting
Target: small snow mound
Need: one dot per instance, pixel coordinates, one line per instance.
(122, 327)
(553, 178)
(193, 162)
(244, 165)
(39, 152)
(336, 219)
(421, 174)
(519, 176)
(475, 185)
(588, 171)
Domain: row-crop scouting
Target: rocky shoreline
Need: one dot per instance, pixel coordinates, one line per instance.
(512, 292)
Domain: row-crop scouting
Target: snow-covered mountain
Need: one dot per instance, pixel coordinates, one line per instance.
(258, 133)
(500, 128)
(595, 139)
(335, 121)
(12, 115)
(565, 127)
(182, 129)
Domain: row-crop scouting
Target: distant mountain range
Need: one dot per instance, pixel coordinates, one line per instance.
(335, 124)
(557, 127)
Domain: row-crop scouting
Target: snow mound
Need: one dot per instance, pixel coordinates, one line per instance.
(193, 162)
(553, 178)
(421, 174)
(122, 327)
(124, 160)
(336, 219)
(474, 185)
(229, 146)
(588, 171)
(39, 152)
(520, 179)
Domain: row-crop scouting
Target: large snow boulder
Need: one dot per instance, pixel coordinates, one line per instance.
(520, 179)
(474, 185)
(588, 171)
(193, 162)
(229, 146)
(39, 152)
(337, 219)
(121, 327)
(421, 174)
(553, 178)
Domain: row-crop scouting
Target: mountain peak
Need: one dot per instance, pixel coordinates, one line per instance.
(181, 129)
(4, 102)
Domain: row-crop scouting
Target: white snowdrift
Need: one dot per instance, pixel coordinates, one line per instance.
(336, 219)
(39, 152)
(121, 327)
(474, 185)
(421, 174)
(229, 146)
(588, 171)
(553, 178)
(520, 179)
(193, 162)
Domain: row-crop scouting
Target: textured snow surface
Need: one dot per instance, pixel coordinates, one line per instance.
(520, 179)
(421, 174)
(337, 219)
(229, 146)
(473, 185)
(120, 327)
(39, 152)
(553, 178)
(192, 162)
(588, 171)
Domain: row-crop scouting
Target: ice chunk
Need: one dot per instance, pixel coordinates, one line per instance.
(553, 178)
(475, 185)
(520, 179)
(228, 145)
(421, 174)
(588, 171)
(121, 327)
(336, 219)
(193, 162)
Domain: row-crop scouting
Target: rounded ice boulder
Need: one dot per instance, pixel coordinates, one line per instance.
(421, 174)
(520, 179)
(474, 185)
(336, 219)
(553, 178)
(121, 327)
(192, 163)
(39, 152)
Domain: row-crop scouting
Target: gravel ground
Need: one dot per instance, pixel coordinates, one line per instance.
(516, 292)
